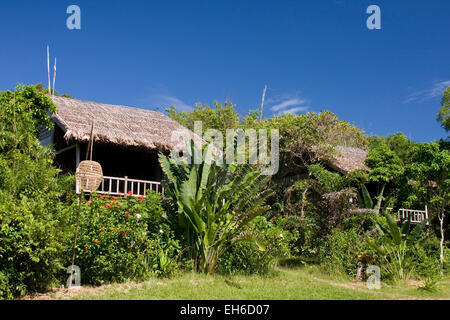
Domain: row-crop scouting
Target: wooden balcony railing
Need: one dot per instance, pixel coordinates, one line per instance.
(417, 216)
(121, 186)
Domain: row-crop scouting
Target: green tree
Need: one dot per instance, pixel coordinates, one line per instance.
(30, 236)
(220, 117)
(384, 166)
(430, 168)
(444, 111)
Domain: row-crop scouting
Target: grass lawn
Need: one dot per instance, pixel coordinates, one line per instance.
(287, 283)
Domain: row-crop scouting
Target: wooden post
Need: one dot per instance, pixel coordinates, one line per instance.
(426, 214)
(126, 185)
(77, 155)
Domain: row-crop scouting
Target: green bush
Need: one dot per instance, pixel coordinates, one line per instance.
(307, 232)
(116, 236)
(250, 257)
(424, 257)
(341, 250)
(31, 240)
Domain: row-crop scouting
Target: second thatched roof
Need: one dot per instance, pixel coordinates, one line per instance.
(348, 159)
(121, 125)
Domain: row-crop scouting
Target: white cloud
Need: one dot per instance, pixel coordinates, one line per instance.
(179, 105)
(435, 91)
(295, 110)
(287, 103)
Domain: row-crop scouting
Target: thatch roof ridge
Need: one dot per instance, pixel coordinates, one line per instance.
(117, 124)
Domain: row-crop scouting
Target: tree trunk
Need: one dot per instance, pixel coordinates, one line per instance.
(360, 276)
(441, 217)
(303, 203)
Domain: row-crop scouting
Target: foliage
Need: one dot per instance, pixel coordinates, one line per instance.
(429, 285)
(444, 111)
(397, 142)
(220, 117)
(331, 181)
(341, 250)
(429, 167)
(395, 242)
(384, 166)
(115, 236)
(26, 102)
(162, 257)
(308, 138)
(335, 207)
(248, 258)
(30, 237)
(215, 203)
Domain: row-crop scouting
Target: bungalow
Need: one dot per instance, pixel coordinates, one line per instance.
(126, 142)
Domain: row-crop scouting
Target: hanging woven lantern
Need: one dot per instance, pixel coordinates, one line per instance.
(89, 176)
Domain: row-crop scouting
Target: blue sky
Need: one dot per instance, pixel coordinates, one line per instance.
(312, 55)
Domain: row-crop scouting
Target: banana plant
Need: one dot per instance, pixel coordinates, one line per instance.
(395, 240)
(215, 202)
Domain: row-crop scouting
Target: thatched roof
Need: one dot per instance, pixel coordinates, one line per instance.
(121, 125)
(348, 159)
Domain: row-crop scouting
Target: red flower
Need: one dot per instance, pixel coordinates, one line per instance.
(124, 234)
(127, 213)
(113, 198)
(141, 196)
(117, 229)
(117, 202)
(130, 193)
(87, 202)
(68, 194)
(102, 229)
(95, 241)
(108, 205)
(172, 231)
(274, 218)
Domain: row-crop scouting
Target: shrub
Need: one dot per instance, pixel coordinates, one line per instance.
(115, 236)
(341, 251)
(31, 239)
(307, 232)
(424, 257)
(250, 257)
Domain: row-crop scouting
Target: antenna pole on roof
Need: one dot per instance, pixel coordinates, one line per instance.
(262, 103)
(54, 77)
(48, 71)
